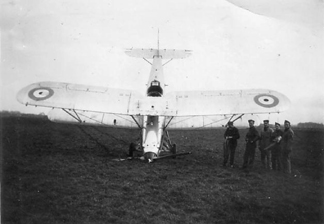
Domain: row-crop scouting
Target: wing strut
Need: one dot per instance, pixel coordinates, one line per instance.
(76, 116)
(235, 118)
(167, 123)
(147, 61)
(136, 122)
(238, 117)
(231, 118)
(167, 62)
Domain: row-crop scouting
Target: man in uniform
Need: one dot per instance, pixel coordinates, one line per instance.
(231, 135)
(265, 141)
(251, 142)
(287, 140)
(276, 149)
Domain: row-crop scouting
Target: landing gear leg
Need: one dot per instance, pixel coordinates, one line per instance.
(131, 150)
(173, 150)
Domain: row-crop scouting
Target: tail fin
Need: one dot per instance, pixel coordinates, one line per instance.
(163, 53)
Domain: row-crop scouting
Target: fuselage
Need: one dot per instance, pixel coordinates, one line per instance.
(153, 126)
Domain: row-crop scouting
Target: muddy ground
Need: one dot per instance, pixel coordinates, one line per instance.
(60, 173)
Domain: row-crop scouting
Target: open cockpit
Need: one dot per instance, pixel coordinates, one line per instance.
(155, 89)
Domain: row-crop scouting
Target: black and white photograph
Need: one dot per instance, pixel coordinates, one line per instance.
(150, 111)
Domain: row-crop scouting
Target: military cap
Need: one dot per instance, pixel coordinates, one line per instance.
(277, 123)
(265, 121)
(251, 120)
(230, 122)
(287, 121)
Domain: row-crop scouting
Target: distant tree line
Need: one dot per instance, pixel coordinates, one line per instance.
(310, 125)
(6, 113)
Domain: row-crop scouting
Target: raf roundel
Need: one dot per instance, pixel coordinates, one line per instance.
(266, 100)
(41, 93)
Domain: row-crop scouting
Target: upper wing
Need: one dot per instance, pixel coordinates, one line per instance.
(79, 97)
(126, 102)
(202, 103)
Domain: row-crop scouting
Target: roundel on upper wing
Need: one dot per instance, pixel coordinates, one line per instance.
(266, 100)
(41, 93)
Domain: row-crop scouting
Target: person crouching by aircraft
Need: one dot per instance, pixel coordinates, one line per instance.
(287, 140)
(251, 139)
(265, 141)
(231, 135)
(276, 148)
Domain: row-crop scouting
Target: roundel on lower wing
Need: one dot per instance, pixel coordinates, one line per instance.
(266, 100)
(41, 93)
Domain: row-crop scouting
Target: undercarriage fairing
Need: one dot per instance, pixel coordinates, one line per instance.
(152, 134)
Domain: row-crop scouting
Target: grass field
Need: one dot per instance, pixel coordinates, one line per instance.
(59, 173)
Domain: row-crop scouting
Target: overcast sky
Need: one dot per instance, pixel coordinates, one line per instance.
(237, 44)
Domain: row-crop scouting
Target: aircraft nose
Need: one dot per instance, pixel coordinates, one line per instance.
(149, 156)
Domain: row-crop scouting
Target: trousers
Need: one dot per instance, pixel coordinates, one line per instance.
(229, 152)
(286, 165)
(249, 155)
(276, 158)
(266, 155)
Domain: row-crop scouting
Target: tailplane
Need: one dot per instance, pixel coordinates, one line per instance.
(163, 53)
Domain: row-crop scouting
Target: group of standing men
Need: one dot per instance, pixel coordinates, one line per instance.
(275, 145)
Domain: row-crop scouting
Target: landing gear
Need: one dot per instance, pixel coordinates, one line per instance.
(167, 149)
(131, 150)
(135, 148)
(150, 156)
(173, 150)
(170, 148)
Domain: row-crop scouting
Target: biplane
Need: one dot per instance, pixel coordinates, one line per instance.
(156, 111)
